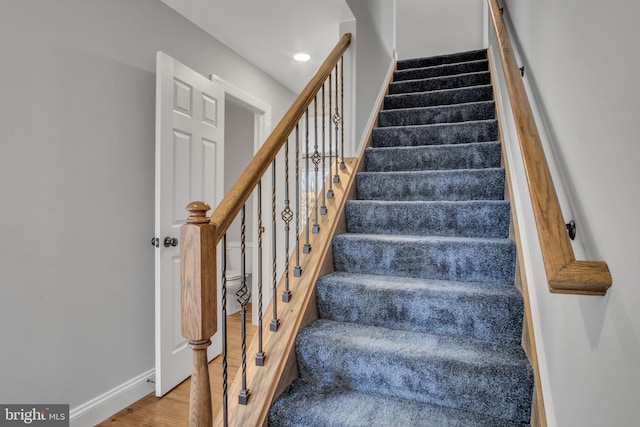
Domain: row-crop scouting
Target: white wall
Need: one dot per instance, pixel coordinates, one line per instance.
(77, 187)
(582, 69)
(436, 27)
(373, 42)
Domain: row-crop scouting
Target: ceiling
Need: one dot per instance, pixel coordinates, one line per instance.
(269, 32)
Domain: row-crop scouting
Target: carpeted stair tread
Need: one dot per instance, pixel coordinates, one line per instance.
(475, 218)
(487, 260)
(462, 184)
(452, 58)
(436, 134)
(439, 97)
(473, 155)
(306, 404)
(440, 83)
(471, 111)
(443, 307)
(485, 377)
(441, 70)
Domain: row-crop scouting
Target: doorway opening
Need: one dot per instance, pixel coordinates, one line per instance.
(247, 124)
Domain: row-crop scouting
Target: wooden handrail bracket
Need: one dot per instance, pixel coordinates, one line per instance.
(564, 273)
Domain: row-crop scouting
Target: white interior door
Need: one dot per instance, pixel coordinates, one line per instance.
(189, 166)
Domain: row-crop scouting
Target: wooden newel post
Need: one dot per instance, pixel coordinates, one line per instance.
(199, 305)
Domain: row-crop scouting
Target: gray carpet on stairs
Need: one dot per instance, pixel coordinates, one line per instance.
(314, 403)
(481, 110)
(439, 97)
(469, 218)
(441, 70)
(420, 323)
(475, 155)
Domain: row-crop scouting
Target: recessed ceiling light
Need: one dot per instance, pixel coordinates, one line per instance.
(302, 57)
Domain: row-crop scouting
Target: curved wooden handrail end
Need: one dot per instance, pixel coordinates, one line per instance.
(582, 278)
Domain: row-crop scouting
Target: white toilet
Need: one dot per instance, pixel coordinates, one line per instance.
(233, 274)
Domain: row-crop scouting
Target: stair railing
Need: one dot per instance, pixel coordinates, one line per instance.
(314, 125)
(565, 274)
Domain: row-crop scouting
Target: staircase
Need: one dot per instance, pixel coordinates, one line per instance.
(420, 323)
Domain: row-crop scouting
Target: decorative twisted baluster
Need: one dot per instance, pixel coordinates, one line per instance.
(297, 270)
(275, 323)
(287, 216)
(316, 158)
(342, 165)
(336, 121)
(225, 368)
(260, 355)
(244, 296)
(323, 208)
(307, 247)
(330, 192)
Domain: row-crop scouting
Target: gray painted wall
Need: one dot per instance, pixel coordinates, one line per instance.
(374, 43)
(436, 27)
(582, 66)
(77, 115)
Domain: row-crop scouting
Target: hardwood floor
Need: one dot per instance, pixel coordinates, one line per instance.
(172, 410)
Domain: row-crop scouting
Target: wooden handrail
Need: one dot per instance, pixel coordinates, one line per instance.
(229, 207)
(564, 273)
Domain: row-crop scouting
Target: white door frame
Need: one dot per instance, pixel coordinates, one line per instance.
(261, 130)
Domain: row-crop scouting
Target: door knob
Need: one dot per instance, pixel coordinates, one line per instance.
(170, 241)
(155, 242)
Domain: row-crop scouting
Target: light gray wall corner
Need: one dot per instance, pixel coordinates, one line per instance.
(350, 79)
(77, 184)
(373, 52)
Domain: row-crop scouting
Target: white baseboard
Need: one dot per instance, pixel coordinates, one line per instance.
(97, 410)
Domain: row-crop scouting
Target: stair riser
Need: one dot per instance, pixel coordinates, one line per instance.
(498, 390)
(444, 97)
(440, 83)
(480, 316)
(480, 184)
(464, 219)
(437, 157)
(475, 261)
(442, 59)
(433, 115)
(439, 134)
(441, 70)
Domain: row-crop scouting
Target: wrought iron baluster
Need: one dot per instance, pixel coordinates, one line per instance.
(243, 295)
(342, 165)
(307, 247)
(225, 369)
(297, 270)
(323, 208)
(274, 322)
(260, 355)
(316, 161)
(287, 216)
(330, 192)
(336, 121)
